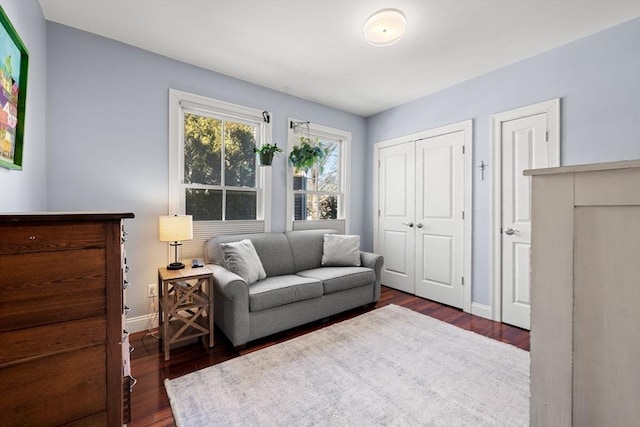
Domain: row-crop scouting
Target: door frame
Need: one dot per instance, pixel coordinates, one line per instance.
(552, 109)
(466, 127)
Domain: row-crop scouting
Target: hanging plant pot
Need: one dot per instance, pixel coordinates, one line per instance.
(305, 155)
(265, 159)
(266, 152)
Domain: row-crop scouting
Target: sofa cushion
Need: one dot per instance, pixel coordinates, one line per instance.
(306, 246)
(281, 290)
(242, 259)
(272, 248)
(336, 279)
(341, 251)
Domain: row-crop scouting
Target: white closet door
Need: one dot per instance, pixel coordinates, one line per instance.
(439, 249)
(396, 207)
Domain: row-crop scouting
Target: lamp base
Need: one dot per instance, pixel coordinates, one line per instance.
(175, 266)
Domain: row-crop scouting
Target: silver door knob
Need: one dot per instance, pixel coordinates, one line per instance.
(510, 231)
(410, 225)
(419, 225)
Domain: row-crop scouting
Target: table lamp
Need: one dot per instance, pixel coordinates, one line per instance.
(174, 228)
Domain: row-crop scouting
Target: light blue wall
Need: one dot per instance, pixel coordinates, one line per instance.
(108, 137)
(598, 81)
(24, 190)
(107, 133)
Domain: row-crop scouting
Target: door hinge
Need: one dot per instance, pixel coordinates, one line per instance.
(500, 230)
(378, 212)
(378, 163)
(546, 136)
(463, 149)
(462, 280)
(462, 214)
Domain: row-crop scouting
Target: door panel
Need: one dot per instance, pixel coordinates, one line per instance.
(438, 171)
(439, 224)
(395, 191)
(521, 272)
(438, 259)
(395, 257)
(396, 202)
(524, 146)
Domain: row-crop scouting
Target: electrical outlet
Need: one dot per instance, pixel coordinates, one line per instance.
(152, 290)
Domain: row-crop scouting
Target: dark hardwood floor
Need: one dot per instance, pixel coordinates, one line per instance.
(150, 404)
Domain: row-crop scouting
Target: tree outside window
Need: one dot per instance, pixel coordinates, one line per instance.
(219, 168)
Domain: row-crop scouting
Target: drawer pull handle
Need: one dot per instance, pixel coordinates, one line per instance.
(32, 237)
(131, 348)
(126, 309)
(125, 284)
(126, 268)
(132, 384)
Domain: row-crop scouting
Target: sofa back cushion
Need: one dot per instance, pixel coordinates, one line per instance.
(307, 246)
(272, 248)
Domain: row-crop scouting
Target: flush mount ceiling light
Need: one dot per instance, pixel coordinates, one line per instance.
(385, 27)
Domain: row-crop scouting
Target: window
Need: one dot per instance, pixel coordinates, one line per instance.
(318, 196)
(213, 173)
(220, 179)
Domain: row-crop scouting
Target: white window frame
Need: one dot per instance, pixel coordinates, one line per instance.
(179, 102)
(342, 222)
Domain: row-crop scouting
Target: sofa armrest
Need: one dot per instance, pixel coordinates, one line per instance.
(231, 301)
(375, 262)
(229, 284)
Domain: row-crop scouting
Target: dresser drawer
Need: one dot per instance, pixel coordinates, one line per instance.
(42, 288)
(43, 237)
(55, 390)
(43, 341)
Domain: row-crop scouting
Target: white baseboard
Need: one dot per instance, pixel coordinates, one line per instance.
(481, 310)
(141, 323)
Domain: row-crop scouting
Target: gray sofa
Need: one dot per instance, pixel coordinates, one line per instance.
(297, 289)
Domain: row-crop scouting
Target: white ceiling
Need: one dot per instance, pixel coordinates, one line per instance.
(314, 49)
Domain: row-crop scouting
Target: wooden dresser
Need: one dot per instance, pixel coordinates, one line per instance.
(62, 358)
(585, 295)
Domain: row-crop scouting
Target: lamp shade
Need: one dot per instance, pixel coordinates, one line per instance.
(385, 27)
(174, 228)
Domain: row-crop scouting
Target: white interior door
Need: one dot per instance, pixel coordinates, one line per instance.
(524, 146)
(439, 218)
(396, 207)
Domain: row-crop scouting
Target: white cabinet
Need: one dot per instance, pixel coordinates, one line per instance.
(585, 292)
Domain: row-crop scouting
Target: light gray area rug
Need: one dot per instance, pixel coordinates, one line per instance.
(388, 367)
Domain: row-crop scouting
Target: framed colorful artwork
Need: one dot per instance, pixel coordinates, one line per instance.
(14, 61)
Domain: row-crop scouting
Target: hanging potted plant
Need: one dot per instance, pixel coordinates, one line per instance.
(266, 152)
(305, 155)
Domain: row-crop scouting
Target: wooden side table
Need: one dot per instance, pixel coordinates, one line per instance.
(186, 310)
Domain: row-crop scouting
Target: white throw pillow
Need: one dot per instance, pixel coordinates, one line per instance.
(241, 258)
(341, 251)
